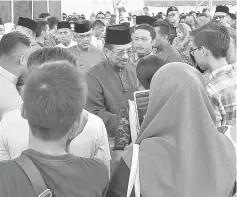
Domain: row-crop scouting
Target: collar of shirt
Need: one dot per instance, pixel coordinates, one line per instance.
(220, 70)
(9, 76)
(138, 58)
(72, 43)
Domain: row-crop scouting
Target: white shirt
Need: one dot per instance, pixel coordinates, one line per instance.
(9, 96)
(72, 43)
(92, 142)
(97, 43)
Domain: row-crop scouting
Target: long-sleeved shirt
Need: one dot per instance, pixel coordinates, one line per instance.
(9, 96)
(109, 87)
(221, 89)
(87, 59)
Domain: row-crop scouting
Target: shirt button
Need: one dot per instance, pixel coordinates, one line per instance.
(123, 83)
(121, 76)
(126, 90)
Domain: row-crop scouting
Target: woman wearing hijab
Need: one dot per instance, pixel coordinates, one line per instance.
(181, 152)
(182, 42)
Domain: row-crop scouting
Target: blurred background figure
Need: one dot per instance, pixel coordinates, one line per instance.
(146, 11)
(232, 21)
(98, 34)
(206, 12)
(112, 20)
(190, 20)
(2, 29)
(51, 38)
(107, 17)
(41, 32)
(64, 17)
(222, 15)
(92, 18)
(101, 16)
(44, 16)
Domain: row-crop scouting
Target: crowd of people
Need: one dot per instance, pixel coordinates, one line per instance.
(119, 106)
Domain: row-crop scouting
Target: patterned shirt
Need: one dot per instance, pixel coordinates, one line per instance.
(221, 89)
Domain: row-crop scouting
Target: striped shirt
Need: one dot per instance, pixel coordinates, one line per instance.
(221, 89)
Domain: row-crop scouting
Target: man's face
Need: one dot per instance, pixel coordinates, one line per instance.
(190, 20)
(100, 31)
(2, 30)
(120, 55)
(173, 16)
(64, 36)
(146, 11)
(101, 17)
(107, 16)
(222, 17)
(143, 42)
(207, 13)
(159, 38)
(199, 56)
(83, 40)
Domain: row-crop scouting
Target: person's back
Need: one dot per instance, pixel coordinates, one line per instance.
(54, 97)
(64, 175)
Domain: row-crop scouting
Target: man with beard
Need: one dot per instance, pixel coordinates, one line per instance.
(87, 55)
(64, 34)
(113, 81)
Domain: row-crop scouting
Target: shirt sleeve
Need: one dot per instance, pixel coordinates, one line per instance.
(96, 104)
(218, 108)
(103, 151)
(4, 153)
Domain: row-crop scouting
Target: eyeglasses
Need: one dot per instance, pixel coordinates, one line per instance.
(193, 50)
(83, 37)
(219, 16)
(121, 53)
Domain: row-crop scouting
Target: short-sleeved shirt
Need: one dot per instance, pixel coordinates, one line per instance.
(64, 175)
(168, 54)
(91, 143)
(221, 89)
(87, 59)
(109, 87)
(9, 96)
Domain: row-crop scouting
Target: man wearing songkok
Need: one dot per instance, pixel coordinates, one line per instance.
(144, 19)
(210, 51)
(222, 14)
(64, 34)
(173, 17)
(28, 27)
(144, 39)
(14, 52)
(113, 81)
(2, 29)
(162, 47)
(86, 54)
(92, 142)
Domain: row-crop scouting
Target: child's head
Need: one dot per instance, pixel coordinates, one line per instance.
(183, 30)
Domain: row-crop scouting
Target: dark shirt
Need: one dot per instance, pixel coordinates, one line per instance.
(173, 34)
(87, 59)
(168, 54)
(109, 87)
(64, 175)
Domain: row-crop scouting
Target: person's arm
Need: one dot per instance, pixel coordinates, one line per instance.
(96, 104)
(103, 151)
(4, 153)
(218, 107)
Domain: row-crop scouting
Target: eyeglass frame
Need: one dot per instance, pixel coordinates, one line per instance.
(219, 16)
(193, 50)
(120, 56)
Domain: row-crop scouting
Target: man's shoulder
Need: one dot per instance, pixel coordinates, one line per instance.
(93, 118)
(97, 69)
